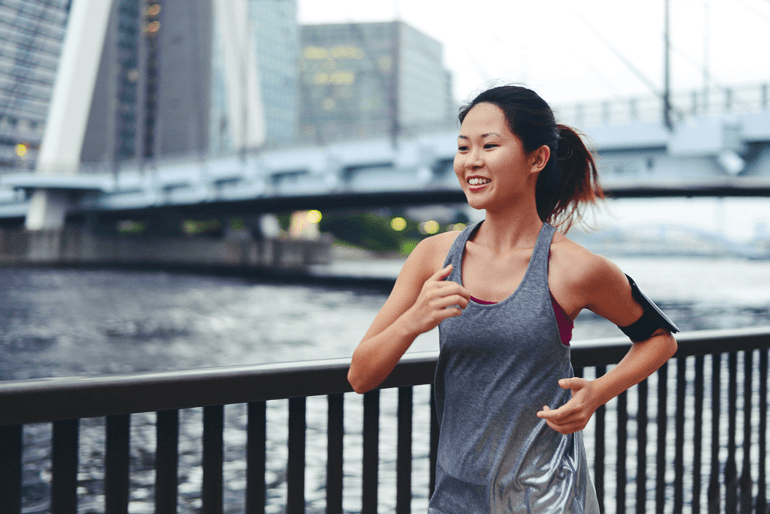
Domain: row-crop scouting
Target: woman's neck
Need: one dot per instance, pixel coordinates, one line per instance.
(509, 230)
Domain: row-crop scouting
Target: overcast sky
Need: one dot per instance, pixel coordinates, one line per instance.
(579, 50)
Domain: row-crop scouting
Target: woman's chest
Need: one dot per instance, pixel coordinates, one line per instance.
(492, 277)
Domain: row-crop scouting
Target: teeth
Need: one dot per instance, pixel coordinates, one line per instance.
(477, 181)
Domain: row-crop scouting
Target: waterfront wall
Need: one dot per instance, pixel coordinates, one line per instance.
(75, 246)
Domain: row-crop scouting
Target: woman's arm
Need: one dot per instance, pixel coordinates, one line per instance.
(606, 291)
(420, 300)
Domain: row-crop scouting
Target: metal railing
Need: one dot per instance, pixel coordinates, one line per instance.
(735, 480)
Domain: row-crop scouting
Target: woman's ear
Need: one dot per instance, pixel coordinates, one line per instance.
(539, 158)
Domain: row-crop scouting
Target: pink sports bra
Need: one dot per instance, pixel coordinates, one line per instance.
(565, 324)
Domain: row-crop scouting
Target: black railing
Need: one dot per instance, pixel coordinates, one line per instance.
(619, 434)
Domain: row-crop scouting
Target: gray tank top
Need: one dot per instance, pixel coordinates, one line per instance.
(498, 365)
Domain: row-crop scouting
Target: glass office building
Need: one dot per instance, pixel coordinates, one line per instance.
(32, 33)
(361, 80)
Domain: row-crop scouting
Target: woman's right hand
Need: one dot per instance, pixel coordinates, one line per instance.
(437, 301)
(420, 299)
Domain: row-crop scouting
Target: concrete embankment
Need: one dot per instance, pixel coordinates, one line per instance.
(77, 247)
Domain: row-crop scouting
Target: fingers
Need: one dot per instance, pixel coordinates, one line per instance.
(574, 383)
(441, 274)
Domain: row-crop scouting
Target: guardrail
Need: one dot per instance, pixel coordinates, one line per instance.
(65, 402)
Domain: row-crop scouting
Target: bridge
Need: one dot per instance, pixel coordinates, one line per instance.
(719, 146)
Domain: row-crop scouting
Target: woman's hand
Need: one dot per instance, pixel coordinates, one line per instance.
(437, 301)
(575, 414)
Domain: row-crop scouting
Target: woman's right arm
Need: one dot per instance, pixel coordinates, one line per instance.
(420, 300)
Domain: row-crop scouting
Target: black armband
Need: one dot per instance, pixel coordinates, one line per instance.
(652, 319)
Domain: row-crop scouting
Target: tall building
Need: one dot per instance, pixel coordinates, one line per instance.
(32, 32)
(369, 80)
(170, 79)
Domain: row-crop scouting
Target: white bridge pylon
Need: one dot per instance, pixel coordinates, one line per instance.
(68, 113)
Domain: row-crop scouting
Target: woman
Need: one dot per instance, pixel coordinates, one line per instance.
(504, 293)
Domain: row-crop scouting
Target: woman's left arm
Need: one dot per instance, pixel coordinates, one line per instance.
(607, 292)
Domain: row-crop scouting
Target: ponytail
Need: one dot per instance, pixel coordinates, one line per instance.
(569, 180)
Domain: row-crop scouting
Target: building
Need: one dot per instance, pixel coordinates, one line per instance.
(32, 32)
(371, 80)
(175, 77)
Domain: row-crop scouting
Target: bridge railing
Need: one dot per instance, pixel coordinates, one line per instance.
(718, 385)
(685, 104)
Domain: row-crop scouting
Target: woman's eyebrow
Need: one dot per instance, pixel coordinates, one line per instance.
(482, 135)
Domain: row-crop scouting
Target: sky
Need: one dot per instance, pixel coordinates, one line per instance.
(572, 51)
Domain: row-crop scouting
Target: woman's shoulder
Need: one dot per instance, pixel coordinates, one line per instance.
(578, 266)
(436, 247)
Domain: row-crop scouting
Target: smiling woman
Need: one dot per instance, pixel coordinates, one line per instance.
(504, 293)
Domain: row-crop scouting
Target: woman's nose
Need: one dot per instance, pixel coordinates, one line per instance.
(474, 159)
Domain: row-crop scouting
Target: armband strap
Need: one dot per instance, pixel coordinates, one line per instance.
(652, 319)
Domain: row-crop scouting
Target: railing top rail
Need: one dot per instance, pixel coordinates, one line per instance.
(43, 400)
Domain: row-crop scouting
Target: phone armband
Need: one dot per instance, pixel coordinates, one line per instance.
(652, 319)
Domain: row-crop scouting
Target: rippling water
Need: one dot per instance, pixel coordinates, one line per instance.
(75, 322)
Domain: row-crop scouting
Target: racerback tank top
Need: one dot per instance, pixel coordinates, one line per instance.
(498, 365)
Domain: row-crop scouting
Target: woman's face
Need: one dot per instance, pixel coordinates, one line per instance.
(491, 165)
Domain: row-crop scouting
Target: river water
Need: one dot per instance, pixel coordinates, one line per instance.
(57, 322)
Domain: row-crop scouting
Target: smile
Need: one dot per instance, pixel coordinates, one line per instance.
(478, 181)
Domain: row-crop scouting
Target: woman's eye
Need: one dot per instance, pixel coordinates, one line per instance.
(491, 145)
(462, 148)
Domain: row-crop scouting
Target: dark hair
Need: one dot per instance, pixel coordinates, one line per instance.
(569, 180)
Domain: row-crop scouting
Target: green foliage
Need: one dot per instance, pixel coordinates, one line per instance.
(370, 231)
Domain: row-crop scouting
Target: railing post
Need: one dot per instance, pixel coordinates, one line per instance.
(745, 480)
(731, 473)
(641, 446)
(762, 505)
(697, 435)
(681, 366)
(371, 451)
(404, 452)
(620, 488)
(166, 461)
(714, 494)
(434, 434)
(213, 428)
(334, 459)
(599, 452)
(661, 420)
(255, 457)
(116, 464)
(10, 468)
(295, 468)
(64, 467)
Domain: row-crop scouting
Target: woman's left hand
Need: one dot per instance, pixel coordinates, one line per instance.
(575, 414)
